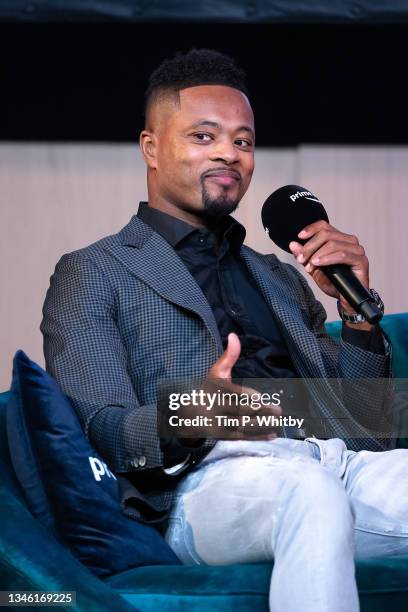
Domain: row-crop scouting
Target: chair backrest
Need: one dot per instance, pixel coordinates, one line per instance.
(4, 449)
(396, 328)
(8, 480)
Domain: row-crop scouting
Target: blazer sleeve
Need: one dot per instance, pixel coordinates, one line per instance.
(353, 361)
(85, 354)
(368, 388)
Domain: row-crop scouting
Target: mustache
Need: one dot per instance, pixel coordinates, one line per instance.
(221, 171)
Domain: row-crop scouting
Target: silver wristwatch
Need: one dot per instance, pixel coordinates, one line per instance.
(359, 318)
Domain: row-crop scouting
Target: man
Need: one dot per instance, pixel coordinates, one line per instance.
(176, 294)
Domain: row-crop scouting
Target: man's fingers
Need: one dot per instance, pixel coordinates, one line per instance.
(345, 249)
(295, 247)
(253, 399)
(223, 366)
(338, 253)
(327, 239)
(264, 410)
(313, 228)
(253, 431)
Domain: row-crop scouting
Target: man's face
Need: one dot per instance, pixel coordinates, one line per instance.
(204, 150)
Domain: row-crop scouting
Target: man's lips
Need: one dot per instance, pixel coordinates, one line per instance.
(225, 177)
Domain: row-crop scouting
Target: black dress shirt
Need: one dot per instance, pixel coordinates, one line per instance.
(212, 256)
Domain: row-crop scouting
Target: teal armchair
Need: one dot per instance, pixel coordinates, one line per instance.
(31, 559)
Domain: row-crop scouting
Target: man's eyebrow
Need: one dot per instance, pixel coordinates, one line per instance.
(242, 128)
(206, 122)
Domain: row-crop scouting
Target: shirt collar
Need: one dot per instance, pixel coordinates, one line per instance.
(174, 230)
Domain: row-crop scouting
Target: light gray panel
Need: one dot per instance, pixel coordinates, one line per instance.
(57, 198)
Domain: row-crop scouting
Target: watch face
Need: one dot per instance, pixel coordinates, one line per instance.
(354, 318)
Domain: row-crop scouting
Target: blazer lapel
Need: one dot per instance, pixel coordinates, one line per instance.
(302, 344)
(150, 257)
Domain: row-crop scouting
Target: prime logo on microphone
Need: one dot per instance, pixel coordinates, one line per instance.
(283, 221)
(302, 194)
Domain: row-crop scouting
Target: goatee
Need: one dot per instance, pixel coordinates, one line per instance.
(221, 206)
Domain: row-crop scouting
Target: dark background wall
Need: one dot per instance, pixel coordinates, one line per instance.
(237, 11)
(310, 83)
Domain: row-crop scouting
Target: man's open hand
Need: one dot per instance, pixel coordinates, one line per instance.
(219, 380)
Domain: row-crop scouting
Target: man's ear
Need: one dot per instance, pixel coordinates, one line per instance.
(148, 142)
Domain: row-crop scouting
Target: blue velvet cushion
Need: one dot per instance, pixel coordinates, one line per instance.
(68, 487)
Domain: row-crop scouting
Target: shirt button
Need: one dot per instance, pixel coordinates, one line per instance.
(233, 312)
(142, 461)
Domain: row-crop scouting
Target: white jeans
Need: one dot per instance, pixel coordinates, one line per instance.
(312, 506)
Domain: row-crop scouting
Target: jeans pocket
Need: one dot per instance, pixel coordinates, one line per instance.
(333, 454)
(179, 536)
(174, 523)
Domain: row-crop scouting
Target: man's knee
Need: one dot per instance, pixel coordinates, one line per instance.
(379, 482)
(316, 514)
(315, 490)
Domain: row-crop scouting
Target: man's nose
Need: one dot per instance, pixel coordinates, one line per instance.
(226, 151)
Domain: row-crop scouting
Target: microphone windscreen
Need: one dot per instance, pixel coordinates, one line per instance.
(287, 211)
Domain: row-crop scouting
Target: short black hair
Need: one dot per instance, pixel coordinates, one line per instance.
(196, 67)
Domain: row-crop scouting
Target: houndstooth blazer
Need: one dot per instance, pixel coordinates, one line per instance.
(125, 311)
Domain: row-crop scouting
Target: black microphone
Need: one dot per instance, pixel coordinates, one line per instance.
(285, 213)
